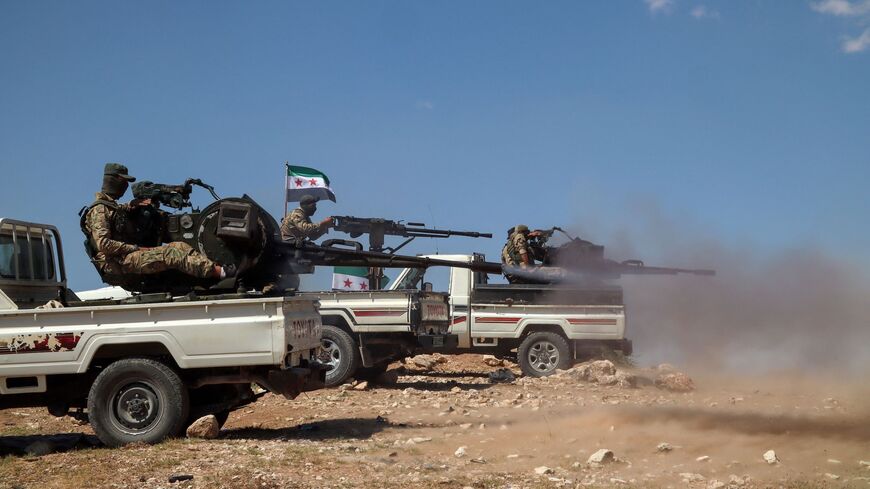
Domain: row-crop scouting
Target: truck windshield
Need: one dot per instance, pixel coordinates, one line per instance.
(411, 280)
(10, 252)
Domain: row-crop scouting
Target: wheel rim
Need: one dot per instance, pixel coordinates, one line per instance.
(330, 355)
(135, 408)
(543, 356)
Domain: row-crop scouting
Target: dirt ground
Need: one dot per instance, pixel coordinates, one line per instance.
(533, 433)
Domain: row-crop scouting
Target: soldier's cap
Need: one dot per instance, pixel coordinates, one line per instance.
(308, 200)
(521, 228)
(118, 170)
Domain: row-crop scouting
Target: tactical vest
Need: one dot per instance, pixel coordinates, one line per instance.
(120, 225)
(512, 251)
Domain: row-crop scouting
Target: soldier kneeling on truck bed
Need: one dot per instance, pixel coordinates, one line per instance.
(516, 252)
(105, 224)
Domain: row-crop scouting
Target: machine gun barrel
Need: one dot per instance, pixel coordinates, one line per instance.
(331, 255)
(637, 267)
(377, 228)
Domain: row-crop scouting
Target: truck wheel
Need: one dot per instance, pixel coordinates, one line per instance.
(340, 355)
(542, 353)
(137, 400)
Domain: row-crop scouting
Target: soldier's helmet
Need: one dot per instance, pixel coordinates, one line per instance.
(118, 170)
(308, 200)
(521, 228)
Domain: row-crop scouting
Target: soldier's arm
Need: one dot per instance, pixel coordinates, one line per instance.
(98, 223)
(308, 229)
(522, 247)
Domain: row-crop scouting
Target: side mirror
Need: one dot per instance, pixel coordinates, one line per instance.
(427, 286)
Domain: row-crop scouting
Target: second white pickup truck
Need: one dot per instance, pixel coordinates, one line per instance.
(546, 327)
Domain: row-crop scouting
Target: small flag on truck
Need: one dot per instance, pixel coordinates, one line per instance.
(350, 278)
(302, 181)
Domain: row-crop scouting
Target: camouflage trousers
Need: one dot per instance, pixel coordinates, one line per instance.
(171, 256)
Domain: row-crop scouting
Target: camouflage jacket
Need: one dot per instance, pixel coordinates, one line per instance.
(102, 223)
(513, 250)
(298, 226)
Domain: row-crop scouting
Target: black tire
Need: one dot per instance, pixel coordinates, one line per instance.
(340, 355)
(137, 400)
(542, 353)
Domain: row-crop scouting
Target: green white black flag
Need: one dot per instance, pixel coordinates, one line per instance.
(302, 181)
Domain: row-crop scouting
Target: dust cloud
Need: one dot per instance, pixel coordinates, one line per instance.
(800, 309)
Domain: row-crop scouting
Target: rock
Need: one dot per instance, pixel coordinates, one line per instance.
(832, 476)
(455, 390)
(492, 361)
(425, 362)
(593, 371)
(834, 461)
(478, 460)
(664, 447)
(460, 452)
(206, 427)
(675, 382)
(180, 477)
(502, 375)
(715, 484)
(361, 386)
(513, 455)
(703, 458)
(603, 456)
(418, 439)
(691, 477)
(770, 457)
(864, 463)
(544, 470)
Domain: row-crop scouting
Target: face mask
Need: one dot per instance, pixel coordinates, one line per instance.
(309, 209)
(114, 187)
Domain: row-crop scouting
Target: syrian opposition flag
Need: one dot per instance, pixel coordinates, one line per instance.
(350, 278)
(303, 181)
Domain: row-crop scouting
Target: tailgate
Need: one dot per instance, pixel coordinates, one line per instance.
(302, 325)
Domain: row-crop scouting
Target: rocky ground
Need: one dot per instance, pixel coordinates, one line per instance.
(441, 422)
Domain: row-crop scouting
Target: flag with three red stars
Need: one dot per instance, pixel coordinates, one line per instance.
(350, 278)
(302, 181)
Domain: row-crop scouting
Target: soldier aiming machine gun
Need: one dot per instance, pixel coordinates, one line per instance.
(585, 258)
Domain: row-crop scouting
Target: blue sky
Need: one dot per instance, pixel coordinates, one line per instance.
(750, 120)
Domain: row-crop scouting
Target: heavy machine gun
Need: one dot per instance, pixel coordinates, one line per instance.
(377, 228)
(579, 258)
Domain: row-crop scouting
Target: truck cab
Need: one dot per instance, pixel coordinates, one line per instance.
(547, 327)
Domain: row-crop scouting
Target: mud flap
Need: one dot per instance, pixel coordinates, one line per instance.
(294, 381)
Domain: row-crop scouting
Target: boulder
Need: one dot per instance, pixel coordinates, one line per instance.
(206, 427)
(492, 361)
(603, 456)
(675, 382)
(544, 470)
(770, 457)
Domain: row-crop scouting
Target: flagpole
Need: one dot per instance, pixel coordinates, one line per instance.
(286, 186)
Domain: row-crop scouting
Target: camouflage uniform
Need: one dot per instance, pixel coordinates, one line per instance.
(513, 250)
(104, 222)
(298, 226)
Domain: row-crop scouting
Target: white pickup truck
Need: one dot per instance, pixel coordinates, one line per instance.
(549, 326)
(138, 369)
